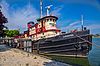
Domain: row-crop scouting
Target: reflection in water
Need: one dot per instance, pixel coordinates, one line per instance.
(94, 54)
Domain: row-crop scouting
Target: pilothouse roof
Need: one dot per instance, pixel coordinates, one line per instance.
(47, 17)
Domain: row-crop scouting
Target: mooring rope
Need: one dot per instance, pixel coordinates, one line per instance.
(87, 41)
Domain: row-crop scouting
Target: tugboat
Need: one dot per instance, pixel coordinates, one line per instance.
(48, 39)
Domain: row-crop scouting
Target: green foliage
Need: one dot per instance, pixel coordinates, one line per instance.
(96, 36)
(11, 33)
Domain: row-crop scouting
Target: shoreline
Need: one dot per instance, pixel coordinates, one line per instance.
(95, 36)
(16, 57)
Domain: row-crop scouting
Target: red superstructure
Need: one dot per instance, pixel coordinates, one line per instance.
(46, 27)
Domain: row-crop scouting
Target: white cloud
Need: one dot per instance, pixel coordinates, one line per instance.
(57, 10)
(75, 25)
(94, 26)
(5, 8)
(18, 19)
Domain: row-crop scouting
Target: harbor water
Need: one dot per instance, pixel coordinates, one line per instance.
(94, 54)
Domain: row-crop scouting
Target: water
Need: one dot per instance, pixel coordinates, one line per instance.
(94, 54)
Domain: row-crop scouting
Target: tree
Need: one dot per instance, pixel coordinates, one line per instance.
(3, 20)
(11, 33)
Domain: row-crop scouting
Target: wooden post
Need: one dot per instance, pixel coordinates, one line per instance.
(38, 47)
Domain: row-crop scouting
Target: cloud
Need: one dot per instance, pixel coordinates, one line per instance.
(94, 26)
(57, 10)
(5, 8)
(72, 25)
(75, 23)
(18, 18)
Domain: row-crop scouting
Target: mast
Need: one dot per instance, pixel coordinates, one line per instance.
(82, 22)
(41, 8)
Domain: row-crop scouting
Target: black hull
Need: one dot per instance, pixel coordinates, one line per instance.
(70, 44)
(74, 43)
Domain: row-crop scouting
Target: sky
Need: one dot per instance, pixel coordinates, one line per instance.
(20, 12)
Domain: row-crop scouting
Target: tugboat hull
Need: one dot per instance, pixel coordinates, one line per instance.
(73, 43)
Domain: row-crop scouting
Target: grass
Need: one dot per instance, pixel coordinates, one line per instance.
(71, 60)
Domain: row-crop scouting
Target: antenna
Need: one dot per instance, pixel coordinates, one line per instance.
(48, 9)
(82, 22)
(41, 8)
